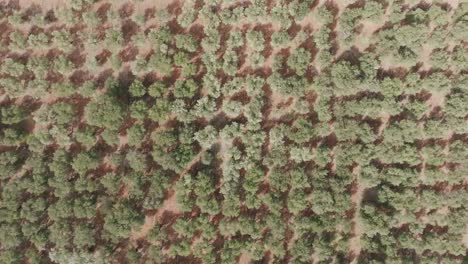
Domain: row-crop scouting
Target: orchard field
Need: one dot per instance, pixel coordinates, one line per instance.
(223, 131)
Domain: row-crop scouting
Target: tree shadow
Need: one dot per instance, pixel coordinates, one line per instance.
(77, 58)
(129, 53)
(267, 30)
(101, 78)
(126, 10)
(174, 8)
(78, 77)
(129, 28)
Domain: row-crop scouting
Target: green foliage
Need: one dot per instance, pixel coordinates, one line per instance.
(185, 88)
(186, 42)
(17, 41)
(210, 132)
(111, 137)
(12, 114)
(160, 111)
(64, 256)
(230, 62)
(345, 78)
(91, 19)
(104, 111)
(136, 160)
(114, 39)
(235, 39)
(188, 15)
(299, 61)
(86, 137)
(138, 110)
(161, 63)
(373, 11)
(39, 41)
(115, 62)
(280, 39)
(12, 68)
(85, 161)
(63, 39)
(300, 154)
(12, 87)
(122, 218)
(256, 40)
(137, 89)
(157, 89)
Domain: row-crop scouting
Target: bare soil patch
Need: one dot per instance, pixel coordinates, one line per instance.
(436, 100)
(244, 259)
(465, 238)
(148, 4)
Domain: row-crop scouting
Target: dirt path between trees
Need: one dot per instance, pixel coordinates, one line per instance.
(170, 204)
(356, 198)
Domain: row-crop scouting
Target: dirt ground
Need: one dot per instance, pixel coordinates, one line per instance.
(158, 4)
(356, 198)
(465, 239)
(244, 259)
